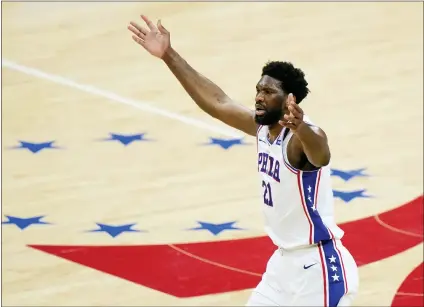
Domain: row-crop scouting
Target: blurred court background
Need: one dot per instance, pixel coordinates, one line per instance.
(118, 190)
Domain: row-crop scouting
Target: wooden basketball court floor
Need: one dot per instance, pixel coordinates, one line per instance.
(71, 74)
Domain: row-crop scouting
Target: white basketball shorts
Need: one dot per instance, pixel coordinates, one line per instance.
(320, 275)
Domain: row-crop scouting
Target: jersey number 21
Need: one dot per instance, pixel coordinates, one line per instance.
(267, 193)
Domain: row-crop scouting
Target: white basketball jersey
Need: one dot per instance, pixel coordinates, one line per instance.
(297, 205)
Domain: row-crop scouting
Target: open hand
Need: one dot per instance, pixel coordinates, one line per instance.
(295, 118)
(156, 40)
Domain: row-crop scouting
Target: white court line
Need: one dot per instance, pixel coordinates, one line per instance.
(141, 105)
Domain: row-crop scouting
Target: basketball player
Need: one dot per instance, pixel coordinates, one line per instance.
(310, 266)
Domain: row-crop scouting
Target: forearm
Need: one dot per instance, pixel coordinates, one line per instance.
(314, 144)
(204, 92)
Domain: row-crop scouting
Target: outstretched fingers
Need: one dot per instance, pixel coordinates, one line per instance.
(140, 32)
(138, 27)
(149, 23)
(138, 40)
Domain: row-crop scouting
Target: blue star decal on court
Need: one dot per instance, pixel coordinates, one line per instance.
(216, 229)
(225, 143)
(23, 223)
(347, 175)
(35, 147)
(115, 231)
(127, 139)
(349, 196)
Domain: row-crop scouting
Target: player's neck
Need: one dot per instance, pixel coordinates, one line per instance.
(274, 131)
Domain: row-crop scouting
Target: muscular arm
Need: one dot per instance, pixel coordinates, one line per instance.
(313, 142)
(208, 96)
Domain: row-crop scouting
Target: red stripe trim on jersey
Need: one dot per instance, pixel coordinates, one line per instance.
(300, 186)
(335, 290)
(316, 202)
(285, 161)
(259, 128)
(293, 170)
(257, 137)
(319, 220)
(317, 188)
(324, 273)
(330, 232)
(316, 198)
(341, 263)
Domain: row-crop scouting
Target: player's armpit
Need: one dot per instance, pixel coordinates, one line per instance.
(314, 144)
(237, 116)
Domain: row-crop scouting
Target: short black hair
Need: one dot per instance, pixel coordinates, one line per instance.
(292, 78)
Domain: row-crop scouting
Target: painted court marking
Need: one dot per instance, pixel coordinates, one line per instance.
(141, 105)
(213, 262)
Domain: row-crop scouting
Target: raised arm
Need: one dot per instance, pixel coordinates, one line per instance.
(207, 95)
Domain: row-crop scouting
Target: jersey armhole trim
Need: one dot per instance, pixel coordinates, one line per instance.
(257, 129)
(257, 136)
(291, 168)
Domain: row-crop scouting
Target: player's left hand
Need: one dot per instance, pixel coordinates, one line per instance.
(295, 118)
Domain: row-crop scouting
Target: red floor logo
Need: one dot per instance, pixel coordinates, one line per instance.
(193, 269)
